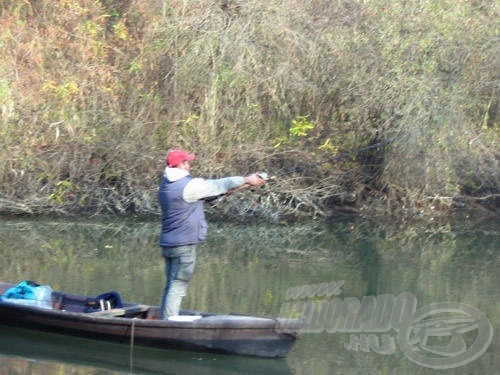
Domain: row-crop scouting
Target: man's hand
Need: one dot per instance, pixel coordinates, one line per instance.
(254, 180)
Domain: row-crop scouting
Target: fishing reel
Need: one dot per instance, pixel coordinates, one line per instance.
(263, 175)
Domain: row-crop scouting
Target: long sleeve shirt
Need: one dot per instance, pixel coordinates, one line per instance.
(200, 188)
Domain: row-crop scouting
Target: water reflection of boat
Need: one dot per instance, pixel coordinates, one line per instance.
(50, 353)
(138, 325)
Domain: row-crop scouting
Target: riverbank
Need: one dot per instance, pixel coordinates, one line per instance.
(247, 208)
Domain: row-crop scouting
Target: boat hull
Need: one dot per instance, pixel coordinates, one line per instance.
(231, 334)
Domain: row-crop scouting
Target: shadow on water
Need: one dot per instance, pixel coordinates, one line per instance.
(364, 254)
(370, 266)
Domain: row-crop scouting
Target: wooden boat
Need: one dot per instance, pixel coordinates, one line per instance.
(137, 324)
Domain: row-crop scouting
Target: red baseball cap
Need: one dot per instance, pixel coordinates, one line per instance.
(175, 157)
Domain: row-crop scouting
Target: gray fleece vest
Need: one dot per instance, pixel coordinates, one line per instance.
(182, 223)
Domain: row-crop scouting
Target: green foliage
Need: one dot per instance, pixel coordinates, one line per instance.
(301, 126)
(63, 187)
(299, 131)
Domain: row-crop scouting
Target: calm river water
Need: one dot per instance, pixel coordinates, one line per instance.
(249, 269)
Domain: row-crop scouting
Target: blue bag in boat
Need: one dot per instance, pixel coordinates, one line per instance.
(29, 293)
(24, 290)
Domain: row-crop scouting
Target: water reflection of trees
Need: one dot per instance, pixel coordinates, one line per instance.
(249, 268)
(253, 265)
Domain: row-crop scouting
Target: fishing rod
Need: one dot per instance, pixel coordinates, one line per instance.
(299, 169)
(342, 155)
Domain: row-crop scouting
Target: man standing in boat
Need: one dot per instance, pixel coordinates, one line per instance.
(183, 223)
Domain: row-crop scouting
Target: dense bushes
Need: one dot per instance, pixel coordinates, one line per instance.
(93, 94)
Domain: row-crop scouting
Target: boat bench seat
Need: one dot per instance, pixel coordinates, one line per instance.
(121, 311)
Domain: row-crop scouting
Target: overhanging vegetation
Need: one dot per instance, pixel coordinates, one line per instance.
(94, 93)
